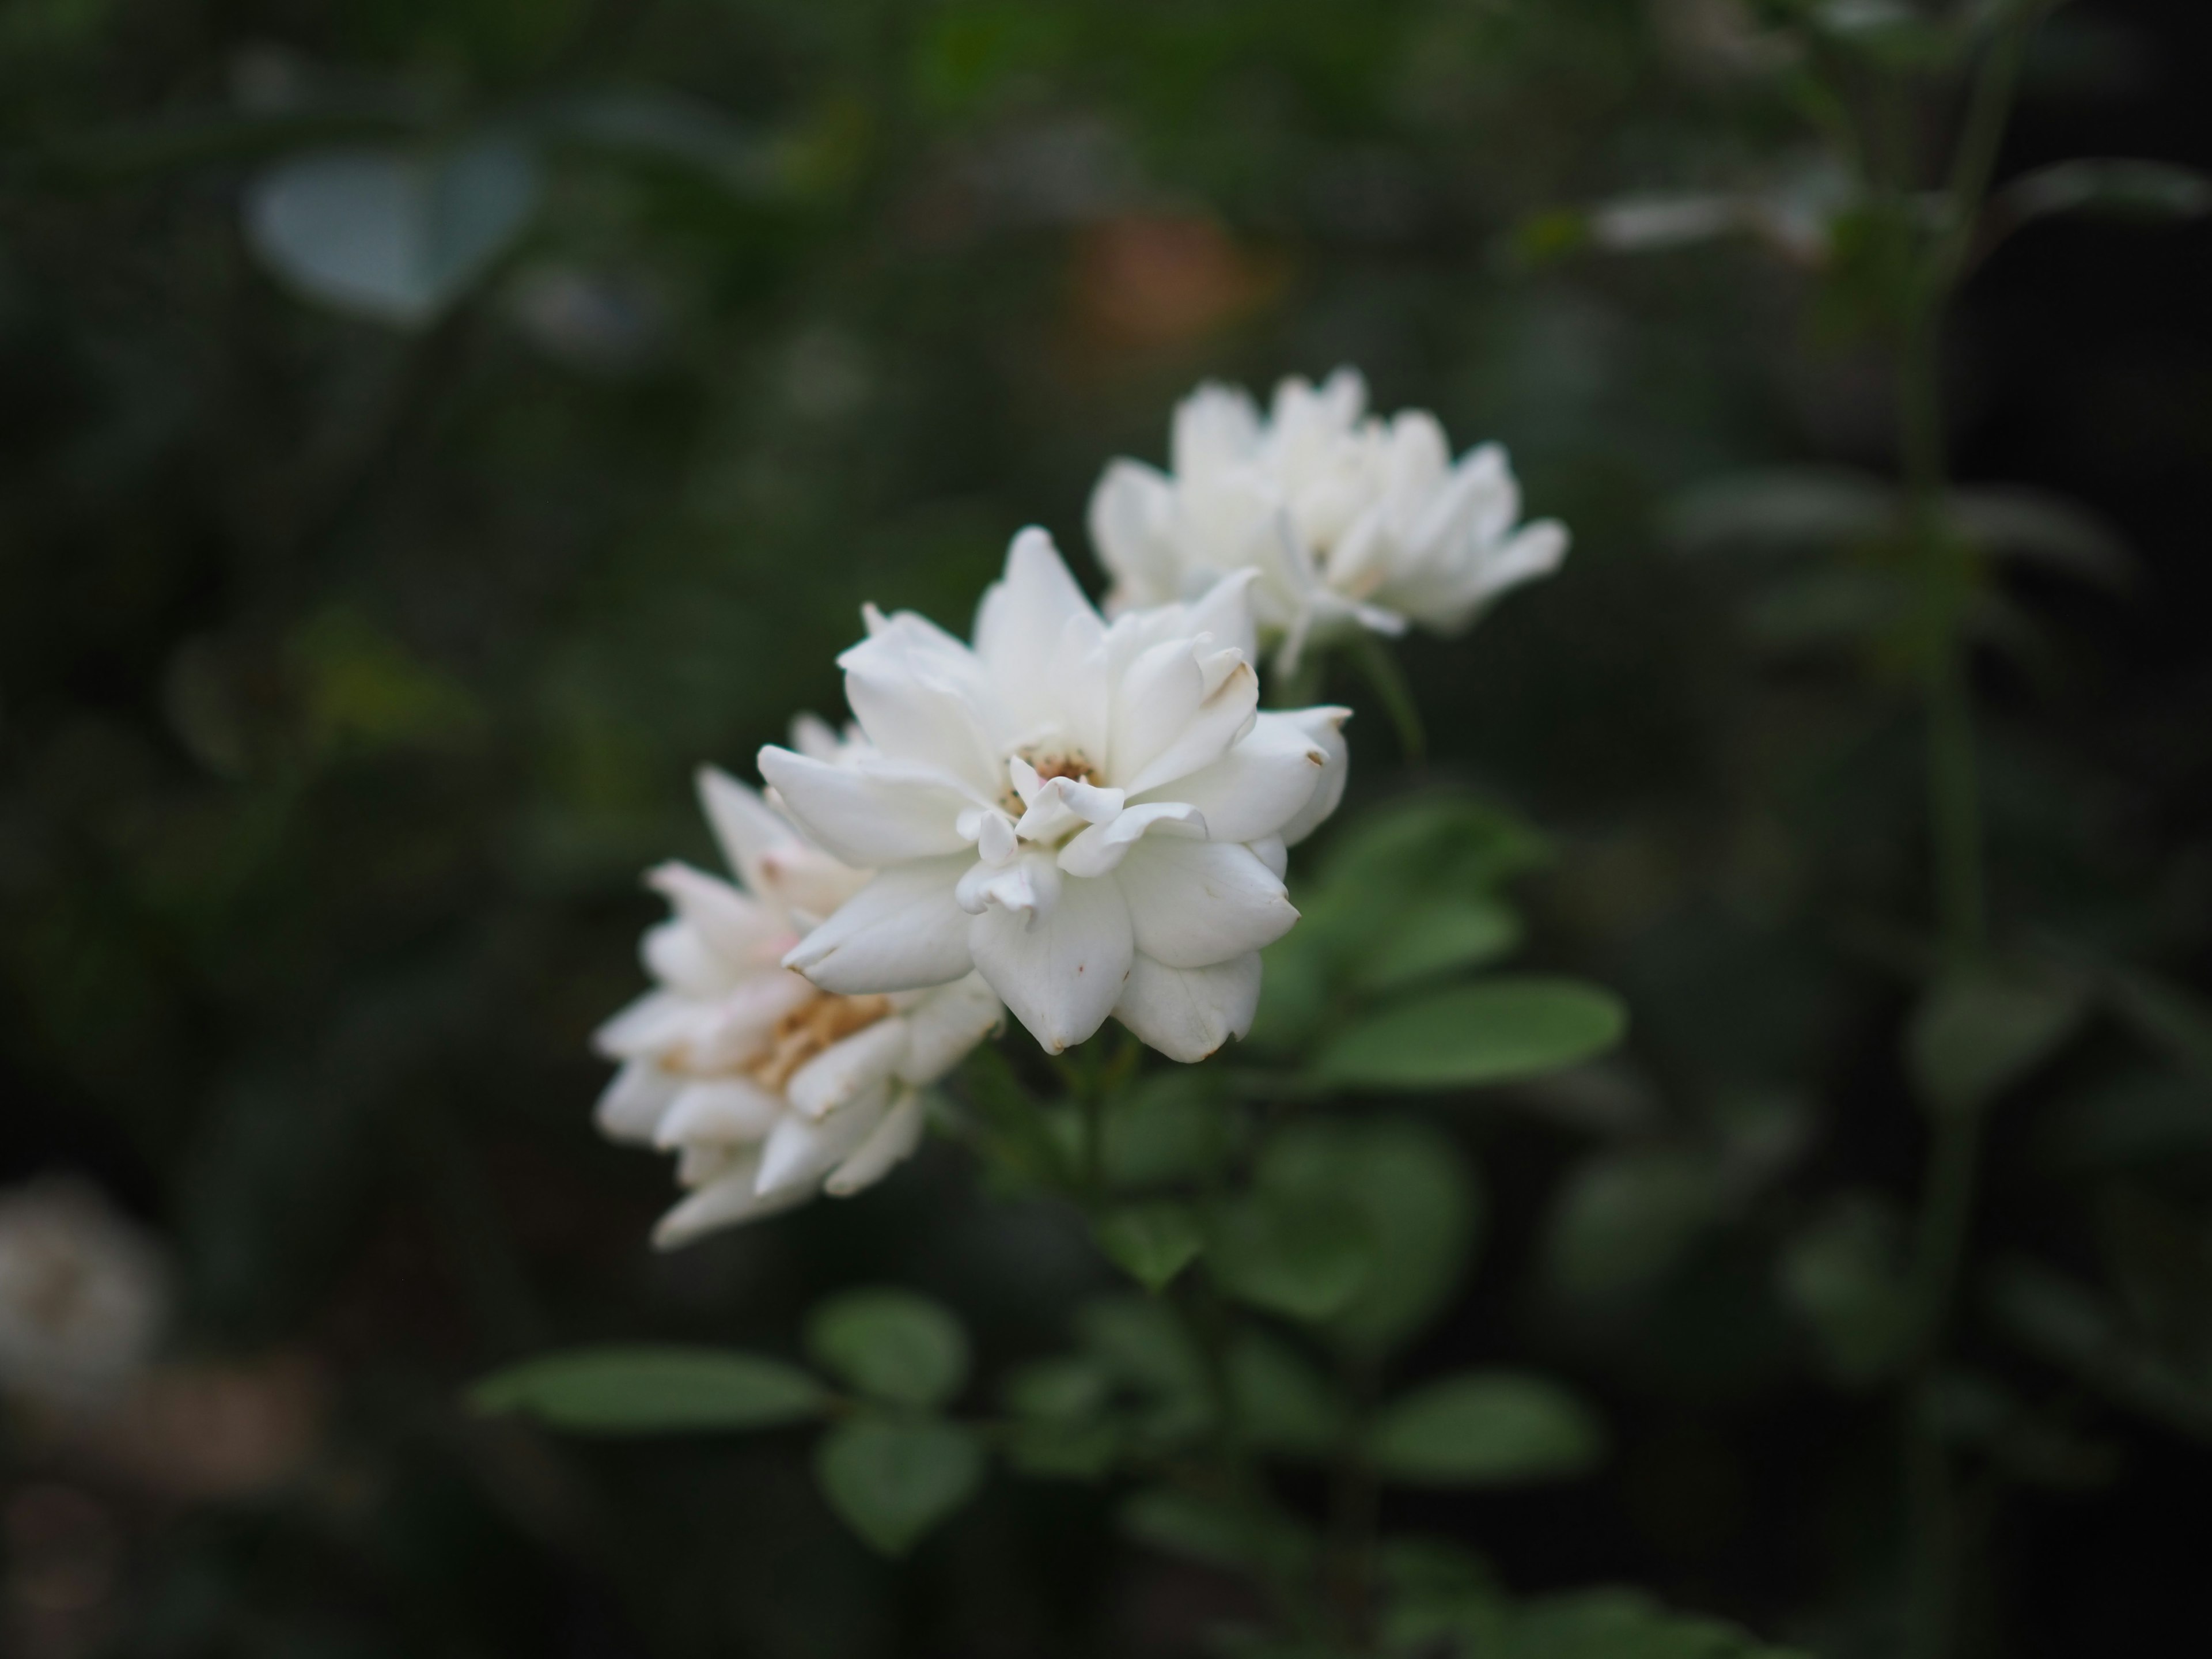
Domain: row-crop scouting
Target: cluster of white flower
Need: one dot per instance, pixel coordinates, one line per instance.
(1076, 817)
(84, 1295)
(1351, 522)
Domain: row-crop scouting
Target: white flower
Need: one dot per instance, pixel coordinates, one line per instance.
(767, 1089)
(1094, 817)
(1350, 521)
(83, 1295)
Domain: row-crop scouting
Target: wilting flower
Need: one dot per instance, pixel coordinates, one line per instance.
(1094, 817)
(1350, 521)
(83, 1295)
(767, 1089)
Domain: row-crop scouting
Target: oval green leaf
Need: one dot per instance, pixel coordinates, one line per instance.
(653, 1390)
(893, 1483)
(1483, 1428)
(1492, 1032)
(894, 1344)
(1152, 1243)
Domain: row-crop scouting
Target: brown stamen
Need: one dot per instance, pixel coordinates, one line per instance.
(820, 1023)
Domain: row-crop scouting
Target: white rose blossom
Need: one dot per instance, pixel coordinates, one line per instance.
(767, 1089)
(1093, 817)
(1350, 521)
(84, 1295)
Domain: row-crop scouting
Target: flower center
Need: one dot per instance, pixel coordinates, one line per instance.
(1048, 763)
(820, 1023)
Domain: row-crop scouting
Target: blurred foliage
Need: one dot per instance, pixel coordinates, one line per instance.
(365, 623)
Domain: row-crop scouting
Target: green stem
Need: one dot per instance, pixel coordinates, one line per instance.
(1955, 830)
(1389, 683)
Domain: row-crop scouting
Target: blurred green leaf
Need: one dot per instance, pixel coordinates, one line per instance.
(2046, 530)
(1454, 933)
(1167, 1127)
(892, 1344)
(1496, 1031)
(1219, 1533)
(2072, 1327)
(1623, 1624)
(1152, 1242)
(392, 234)
(1141, 1343)
(1282, 1404)
(653, 1390)
(1796, 509)
(1978, 1032)
(1843, 1275)
(1486, 1428)
(1300, 1256)
(895, 1482)
(1420, 1203)
(1066, 1387)
(1623, 1219)
(1439, 1597)
(2174, 1020)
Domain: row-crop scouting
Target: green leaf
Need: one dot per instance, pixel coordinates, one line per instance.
(653, 1390)
(1453, 933)
(2170, 1018)
(1978, 1032)
(2044, 529)
(1302, 1257)
(892, 1344)
(392, 234)
(1623, 1624)
(1486, 1428)
(1166, 1128)
(1152, 1243)
(1784, 509)
(2073, 1327)
(894, 1482)
(1623, 1219)
(1418, 1200)
(1065, 1389)
(1495, 1031)
(1220, 1533)
(1843, 1275)
(1140, 1343)
(1282, 1403)
(1063, 1451)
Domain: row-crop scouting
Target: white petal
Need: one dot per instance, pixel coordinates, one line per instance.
(815, 737)
(1218, 723)
(679, 956)
(746, 826)
(1215, 427)
(736, 927)
(891, 1143)
(1058, 805)
(848, 1068)
(727, 1201)
(726, 1109)
(1271, 852)
(800, 1151)
(923, 707)
(738, 1025)
(945, 1024)
(1326, 728)
(902, 931)
(1188, 1012)
(1059, 969)
(1130, 515)
(631, 1105)
(1193, 903)
(1225, 610)
(1265, 781)
(1030, 883)
(870, 813)
(1104, 846)
(654, 1022)
(1021, 625)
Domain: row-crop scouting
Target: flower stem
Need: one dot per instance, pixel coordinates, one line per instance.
(1389, 683)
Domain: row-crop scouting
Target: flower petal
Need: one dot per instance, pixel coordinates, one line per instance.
(1265, 781)
(1104, 846)
(723, 1109)
(1021, 624)
(904, 930)
(891, 1144)
(729, 1199)
(1130, 518)
(655, 1022)
(800, 1151)
(746, 826)
(677, 955)
(631, 1106)
(736, 927)
(847, 1069)
(870, 813)
(1325, 726)
(1187, 1013)
(921, 704)
(1216, 723)
(1193, 903)
(1060, 969)
(945, 1024)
